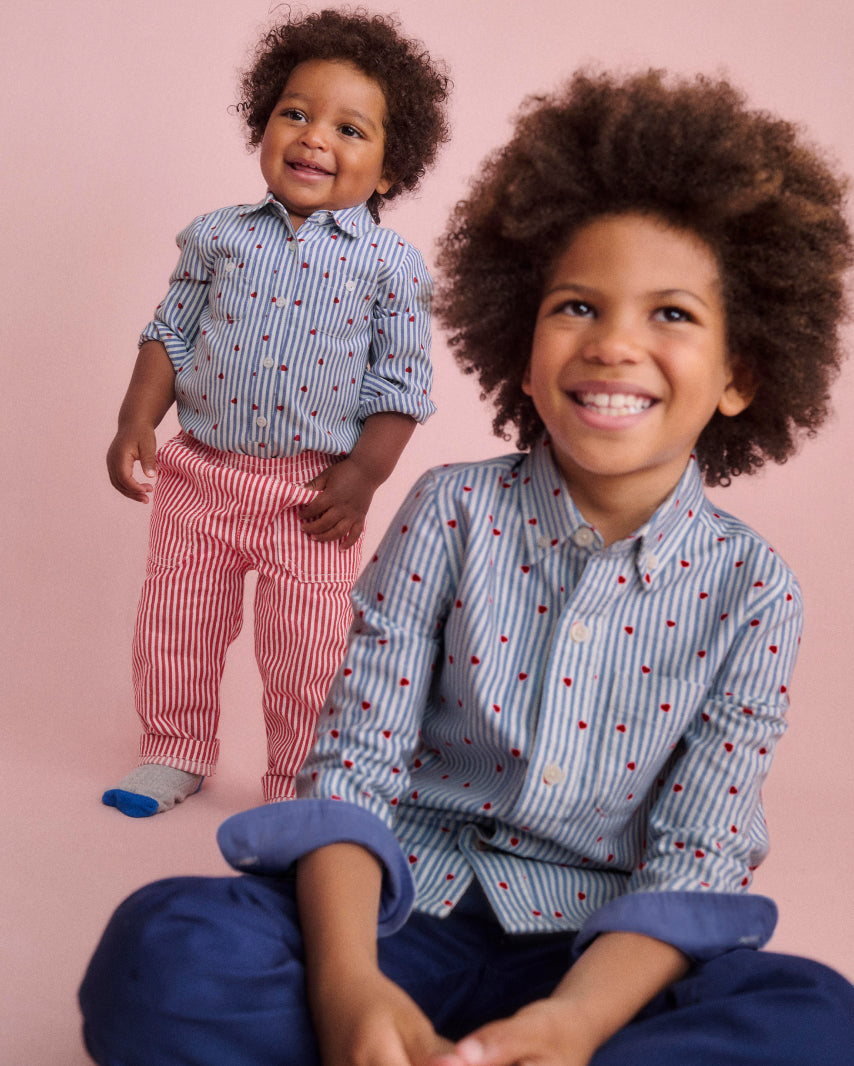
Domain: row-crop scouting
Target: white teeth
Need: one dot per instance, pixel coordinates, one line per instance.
(613, 404)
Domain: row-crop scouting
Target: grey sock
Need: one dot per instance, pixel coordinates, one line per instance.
(151, 789)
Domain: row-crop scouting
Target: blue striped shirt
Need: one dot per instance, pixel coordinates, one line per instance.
(286, 342)
(570, 724)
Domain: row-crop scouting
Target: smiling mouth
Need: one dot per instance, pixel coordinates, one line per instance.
(613, 404)
(303, 167)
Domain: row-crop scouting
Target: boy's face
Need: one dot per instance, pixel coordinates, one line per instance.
(324, 143)
(629, 361)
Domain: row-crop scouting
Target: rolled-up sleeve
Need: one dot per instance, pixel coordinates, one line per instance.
(399, 376)
(267, 842)
(176, 318)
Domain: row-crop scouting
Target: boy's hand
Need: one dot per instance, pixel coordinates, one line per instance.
(617, 975)
(373, 1022)
(132, 444)
(545, 1033)
(338, 513)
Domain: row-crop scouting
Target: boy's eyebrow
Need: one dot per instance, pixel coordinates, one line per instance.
(349, 112)
(657, 294)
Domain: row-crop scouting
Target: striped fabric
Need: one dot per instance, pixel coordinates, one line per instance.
(217, 516)
(285, 343)
(566, 722)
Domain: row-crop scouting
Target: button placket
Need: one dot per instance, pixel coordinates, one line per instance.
(583, 537)
(553, 774)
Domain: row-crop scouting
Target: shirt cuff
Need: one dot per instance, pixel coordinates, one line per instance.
(701, 925)
(266, 841)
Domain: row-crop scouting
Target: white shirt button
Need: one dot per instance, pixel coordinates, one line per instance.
(579, 632)
(543, 542)
(229, 266)
(650, 560)
(583, 537)
(350, 285)
(553, 774)
(261, 421)
(269, 362)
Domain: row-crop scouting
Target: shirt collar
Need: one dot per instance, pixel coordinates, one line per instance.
(659, 539)
(551, 516)
(549, 512)
(353, 221)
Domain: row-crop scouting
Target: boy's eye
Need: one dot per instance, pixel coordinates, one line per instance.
(674, 314)
(349, 131)
(577, 309)
(293, 113)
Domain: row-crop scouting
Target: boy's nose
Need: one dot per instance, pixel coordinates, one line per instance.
(613, 343)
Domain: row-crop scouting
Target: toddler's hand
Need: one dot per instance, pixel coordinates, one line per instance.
(132, 444)
(338, 513)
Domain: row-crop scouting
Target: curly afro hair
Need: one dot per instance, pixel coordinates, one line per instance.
(416, 87)
(690, 153)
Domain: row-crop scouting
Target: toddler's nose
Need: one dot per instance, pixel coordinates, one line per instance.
(313, 136)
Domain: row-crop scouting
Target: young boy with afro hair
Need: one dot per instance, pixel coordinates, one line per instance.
(537, 776)
(295, 338)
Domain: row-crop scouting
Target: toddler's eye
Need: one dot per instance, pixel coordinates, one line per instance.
(674, 314)
(350, 131)
(293, 113)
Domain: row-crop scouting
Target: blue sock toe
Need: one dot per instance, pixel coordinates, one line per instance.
(130, 803)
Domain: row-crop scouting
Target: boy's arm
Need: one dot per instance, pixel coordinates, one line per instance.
(346, 488)
(149, 396)
(360, 1016)
(617, 976)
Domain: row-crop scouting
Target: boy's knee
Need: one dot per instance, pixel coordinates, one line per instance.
(205, 968)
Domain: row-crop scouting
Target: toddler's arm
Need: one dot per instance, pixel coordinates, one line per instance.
(361, 1017)
(617, 975)
(347, 487)
(149, 396)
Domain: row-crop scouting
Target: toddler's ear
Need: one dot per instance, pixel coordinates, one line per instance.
(739, 391)
(385, 183)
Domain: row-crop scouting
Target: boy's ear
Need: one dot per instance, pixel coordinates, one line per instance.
(526, 379)
(739, 390)
(384, 184)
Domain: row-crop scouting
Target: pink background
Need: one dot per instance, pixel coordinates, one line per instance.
(116, 133)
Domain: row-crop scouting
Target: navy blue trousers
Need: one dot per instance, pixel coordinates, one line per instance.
(209, 972)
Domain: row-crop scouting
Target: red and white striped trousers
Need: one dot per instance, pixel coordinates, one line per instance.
(216, 516)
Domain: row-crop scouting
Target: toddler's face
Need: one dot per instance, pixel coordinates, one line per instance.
(629, 361)
(324, 143)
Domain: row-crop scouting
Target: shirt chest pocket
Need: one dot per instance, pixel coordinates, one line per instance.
(232, 294)
(340, 309)
(637, 730)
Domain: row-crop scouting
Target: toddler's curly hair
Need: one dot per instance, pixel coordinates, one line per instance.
(415, 87)
(690, 153)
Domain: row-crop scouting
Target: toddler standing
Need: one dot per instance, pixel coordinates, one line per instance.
(295, 339)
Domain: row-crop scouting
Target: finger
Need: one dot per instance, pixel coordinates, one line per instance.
(504, 1043)
(122, 478)
(322, 522)
(336, 532)
(442, 1054)
(148, 462)
(352, 537)
(316, 509)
